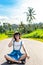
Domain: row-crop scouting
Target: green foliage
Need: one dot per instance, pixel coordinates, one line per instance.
(2, 30)
(35, 34)
(3, 36)
(22, 28)
(9, 33)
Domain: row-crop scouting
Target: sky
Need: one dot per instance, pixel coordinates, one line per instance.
(12, 11)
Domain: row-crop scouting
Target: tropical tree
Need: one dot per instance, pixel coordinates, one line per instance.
(30, 14)
(22, 28)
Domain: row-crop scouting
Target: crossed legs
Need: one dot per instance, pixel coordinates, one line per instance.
(18, 61)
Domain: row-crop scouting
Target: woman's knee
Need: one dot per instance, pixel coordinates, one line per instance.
(5, 56)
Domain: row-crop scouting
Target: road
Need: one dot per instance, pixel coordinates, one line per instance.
(34, 50)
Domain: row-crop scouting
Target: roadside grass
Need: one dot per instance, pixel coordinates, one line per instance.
(37, 35)
(3, 36)
(7, 34)
(37, 39)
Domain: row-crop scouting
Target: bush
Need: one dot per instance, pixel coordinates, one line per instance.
(35, 34)
(9, 33)
(3, 36)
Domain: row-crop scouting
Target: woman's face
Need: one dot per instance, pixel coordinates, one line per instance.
(17, 37)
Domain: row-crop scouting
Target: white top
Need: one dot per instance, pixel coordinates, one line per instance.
(16, 45)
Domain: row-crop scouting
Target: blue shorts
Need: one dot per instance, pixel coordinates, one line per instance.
(15, 54)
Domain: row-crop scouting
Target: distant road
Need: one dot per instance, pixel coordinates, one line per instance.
(34, 48)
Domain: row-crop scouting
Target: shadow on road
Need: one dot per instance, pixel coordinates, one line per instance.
(5, 63)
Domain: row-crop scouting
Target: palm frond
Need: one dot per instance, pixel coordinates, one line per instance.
(30, 14)
(33, 17)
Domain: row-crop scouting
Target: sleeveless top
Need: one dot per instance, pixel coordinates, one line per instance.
(17, 45)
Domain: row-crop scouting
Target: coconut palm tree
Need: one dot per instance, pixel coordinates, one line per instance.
(30, 14)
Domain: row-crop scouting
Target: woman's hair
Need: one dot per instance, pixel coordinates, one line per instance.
(15, 35)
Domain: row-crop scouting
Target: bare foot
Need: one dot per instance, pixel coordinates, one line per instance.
(17, 61)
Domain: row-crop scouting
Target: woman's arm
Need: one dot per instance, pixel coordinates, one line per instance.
(10, 43)
(25, 51)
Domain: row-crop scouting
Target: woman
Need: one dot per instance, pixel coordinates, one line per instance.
(16, 55)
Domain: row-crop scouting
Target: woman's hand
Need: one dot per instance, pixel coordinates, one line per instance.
(10, 43)
(28, 56)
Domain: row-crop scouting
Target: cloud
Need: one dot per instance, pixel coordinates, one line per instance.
(3, 17)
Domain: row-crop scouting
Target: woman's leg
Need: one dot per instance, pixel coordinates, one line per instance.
(9, 58)
(23, 56)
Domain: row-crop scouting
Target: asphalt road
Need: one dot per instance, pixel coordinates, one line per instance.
(34, 50)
